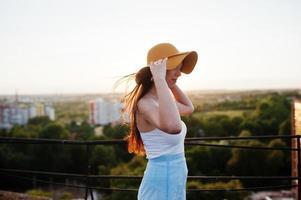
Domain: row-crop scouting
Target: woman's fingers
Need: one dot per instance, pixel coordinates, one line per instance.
(158, 68)
(157, 62)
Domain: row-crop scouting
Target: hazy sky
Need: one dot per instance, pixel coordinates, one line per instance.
(69, 46)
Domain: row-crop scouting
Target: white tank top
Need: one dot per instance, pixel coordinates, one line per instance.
(157, 142)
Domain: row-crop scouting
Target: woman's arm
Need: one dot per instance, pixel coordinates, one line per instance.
(183, 103)
(164, 114)
(168, 111)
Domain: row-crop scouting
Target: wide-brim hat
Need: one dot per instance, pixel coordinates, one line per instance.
(175, 57)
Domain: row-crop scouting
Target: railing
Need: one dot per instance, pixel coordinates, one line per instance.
(200, 141)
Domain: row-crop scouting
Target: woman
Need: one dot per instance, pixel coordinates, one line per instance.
(154, 107)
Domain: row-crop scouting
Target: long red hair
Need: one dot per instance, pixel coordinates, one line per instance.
(143, 79)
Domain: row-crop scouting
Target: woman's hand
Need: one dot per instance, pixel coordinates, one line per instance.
(162, 113)
(158, 69)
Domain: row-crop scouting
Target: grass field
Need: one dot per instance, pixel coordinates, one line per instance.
(229, 113)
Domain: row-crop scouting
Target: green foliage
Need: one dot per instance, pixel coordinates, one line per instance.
(213, 125)
(215, 195)
(104, 156)
(38, 192)
(250, 125)
(245, 133)
(206, 160)
(3, 133)
(40, 121)
(135, 167)
(116, 132)
(269, 114)
(220, 125)
(54, 131)
(195, 126)
(66, 196)
(83, 131)
(285, 127)
(18, 131)
(245, 162)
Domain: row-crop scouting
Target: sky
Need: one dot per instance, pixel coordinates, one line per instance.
(71, 46)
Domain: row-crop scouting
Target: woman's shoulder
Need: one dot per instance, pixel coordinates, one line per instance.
(146, 106)
(147, 102)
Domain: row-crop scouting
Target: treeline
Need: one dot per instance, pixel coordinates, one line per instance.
(270, 116)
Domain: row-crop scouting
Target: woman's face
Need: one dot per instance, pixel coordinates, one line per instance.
(172, 76)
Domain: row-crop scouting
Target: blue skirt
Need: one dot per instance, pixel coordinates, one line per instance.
(164, 178)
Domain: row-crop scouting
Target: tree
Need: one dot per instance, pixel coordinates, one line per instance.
(246, 162)
(42, 121)
(271, 112)
(207, 160)
(195, 126)
(54, 131)
(285, 127)
(218, 125)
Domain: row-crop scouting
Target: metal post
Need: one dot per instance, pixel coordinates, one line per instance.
(294, 154)
(299, 167)
(88, 148)
(34, 181)
(87, 172)
(50, 186)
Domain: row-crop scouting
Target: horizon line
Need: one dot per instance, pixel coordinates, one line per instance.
(188, 91)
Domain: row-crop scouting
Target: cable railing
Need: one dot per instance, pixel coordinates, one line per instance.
(200, 141)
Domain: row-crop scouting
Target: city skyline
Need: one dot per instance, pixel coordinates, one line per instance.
(75, 47)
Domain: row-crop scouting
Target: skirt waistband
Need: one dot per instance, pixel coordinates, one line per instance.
(168, 157)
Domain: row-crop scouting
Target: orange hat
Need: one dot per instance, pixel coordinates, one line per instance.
(175, 57)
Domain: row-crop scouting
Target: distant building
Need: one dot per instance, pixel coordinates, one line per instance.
(4, 117)
(14, 113)
(40, 109)
(32, 112)
(49, 111)
(103, 112)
